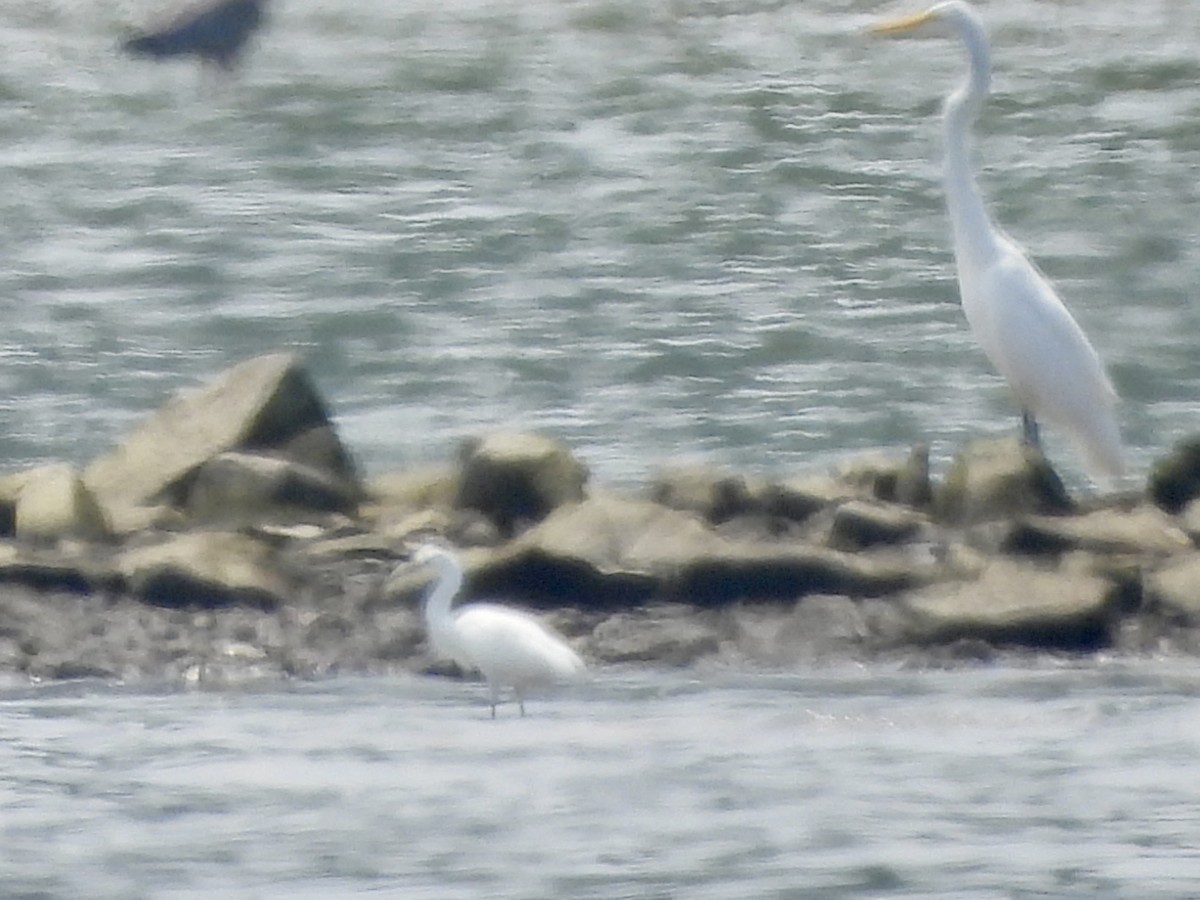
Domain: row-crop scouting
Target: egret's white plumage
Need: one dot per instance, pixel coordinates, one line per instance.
(1022, 325)
(508, 647)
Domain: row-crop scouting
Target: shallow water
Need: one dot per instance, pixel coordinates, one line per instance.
(999, 782)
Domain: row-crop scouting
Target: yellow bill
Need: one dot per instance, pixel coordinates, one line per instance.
(899, 26)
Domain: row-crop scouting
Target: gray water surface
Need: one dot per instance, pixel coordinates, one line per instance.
(682, 229)
(1003, 782)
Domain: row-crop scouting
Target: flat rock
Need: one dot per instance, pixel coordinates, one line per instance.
(206, 569)
(859, 525)
(248, 487)
(1011, 603)
(1143, 530)
(65, 568)
(609, 551)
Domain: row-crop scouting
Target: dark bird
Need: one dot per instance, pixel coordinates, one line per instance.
(214, 30)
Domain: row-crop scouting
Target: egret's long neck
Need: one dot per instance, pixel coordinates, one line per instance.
(437, 604)
(973, 230)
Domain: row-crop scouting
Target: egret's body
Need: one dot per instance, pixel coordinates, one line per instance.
(508, 647)
(1015, 314)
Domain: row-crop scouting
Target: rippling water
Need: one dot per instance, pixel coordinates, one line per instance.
(701, 229)
(860, 782)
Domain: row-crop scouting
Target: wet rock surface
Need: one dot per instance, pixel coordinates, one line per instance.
(230, 536)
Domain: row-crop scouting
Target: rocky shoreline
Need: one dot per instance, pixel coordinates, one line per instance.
(232, 537)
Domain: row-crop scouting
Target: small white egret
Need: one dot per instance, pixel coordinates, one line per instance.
(509, 648)
(1016, 316)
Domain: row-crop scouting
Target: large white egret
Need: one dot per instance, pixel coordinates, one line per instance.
(1017, 317)
(509, 648)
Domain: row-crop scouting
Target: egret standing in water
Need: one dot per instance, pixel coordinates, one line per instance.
(509, 648)
(1016, 316)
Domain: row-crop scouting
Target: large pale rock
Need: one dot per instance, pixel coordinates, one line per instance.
(859, 525)
(246, 487)
(997, 478)
(206, 569)
(264, 404)
(516, 478)
(414, 489)
(65, 569)
(54, 503)
(612, 552)
(1017, 604)
(1144, 530)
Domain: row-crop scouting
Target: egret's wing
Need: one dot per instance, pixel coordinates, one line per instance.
(514, 647)
(1034, 342)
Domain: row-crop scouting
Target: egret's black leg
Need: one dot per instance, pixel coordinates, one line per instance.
(1029, 429)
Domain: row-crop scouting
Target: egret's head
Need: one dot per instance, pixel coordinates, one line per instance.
(427, 553)
(940, 20)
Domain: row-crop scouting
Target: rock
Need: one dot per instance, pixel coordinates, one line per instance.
(1189, 520)
(714, 495)
(127, 521)
(414, 489)
(517, 478)
(1175, 480)
(859, 524)
(265, 404)
(611, 552)
(891, 478)
(245, 487)
(63, 569)
(416, 505)
(612, 534)
(993, 479)
(1175, 588)
(1144, 530)
(799, 499)
(664, 634)
(54, 503)
(788, 573)
(206, 569)
(1016, 604)
(10, 488)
